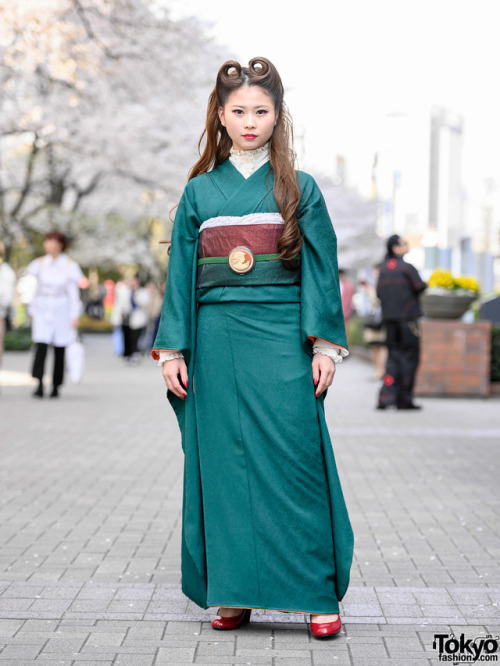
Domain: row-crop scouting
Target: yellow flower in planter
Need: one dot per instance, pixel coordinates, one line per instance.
(441, 278)
(445, 280)
(467, 282)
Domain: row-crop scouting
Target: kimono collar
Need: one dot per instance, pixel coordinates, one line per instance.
(248, 161)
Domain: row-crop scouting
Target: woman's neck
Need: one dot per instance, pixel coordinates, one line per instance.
(248, 161)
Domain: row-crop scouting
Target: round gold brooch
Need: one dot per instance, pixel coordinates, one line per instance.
(241, 259)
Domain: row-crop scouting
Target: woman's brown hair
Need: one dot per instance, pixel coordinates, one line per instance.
(260, 72)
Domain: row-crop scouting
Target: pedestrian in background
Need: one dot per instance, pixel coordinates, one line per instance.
(398, 288)
(250, 332)
(54, 309)
(347, 291)
(7, 291)
(130, 311)
(369, 309)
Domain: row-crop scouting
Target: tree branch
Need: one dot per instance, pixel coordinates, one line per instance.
(27, 179)
(90, 31)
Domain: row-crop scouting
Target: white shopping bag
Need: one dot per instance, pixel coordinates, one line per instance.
(75, 360)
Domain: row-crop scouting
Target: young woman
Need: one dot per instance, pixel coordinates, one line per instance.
(250, 331)
(54, 308)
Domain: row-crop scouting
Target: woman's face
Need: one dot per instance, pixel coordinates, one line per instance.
(52, 246)
(249, 117)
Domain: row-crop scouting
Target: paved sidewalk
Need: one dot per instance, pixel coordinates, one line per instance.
(90, 507)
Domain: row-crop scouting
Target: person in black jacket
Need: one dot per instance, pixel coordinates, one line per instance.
(398, 287)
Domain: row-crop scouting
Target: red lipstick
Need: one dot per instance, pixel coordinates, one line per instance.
(249, 136)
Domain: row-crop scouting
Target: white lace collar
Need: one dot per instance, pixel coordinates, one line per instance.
(248, 161)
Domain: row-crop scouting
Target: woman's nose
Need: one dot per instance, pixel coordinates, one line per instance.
(250, 121)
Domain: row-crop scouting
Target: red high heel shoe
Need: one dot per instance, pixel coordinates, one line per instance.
(235, 622)
(326, 629)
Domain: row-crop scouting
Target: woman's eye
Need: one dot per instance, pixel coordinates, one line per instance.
(238, 112)
(262, 112)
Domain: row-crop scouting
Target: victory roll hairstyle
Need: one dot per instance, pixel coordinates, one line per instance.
(260, 72)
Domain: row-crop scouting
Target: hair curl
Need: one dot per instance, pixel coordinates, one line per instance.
(260, 72)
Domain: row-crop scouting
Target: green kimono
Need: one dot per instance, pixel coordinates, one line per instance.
(264, 519)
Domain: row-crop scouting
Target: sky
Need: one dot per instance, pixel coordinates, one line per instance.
(350, 67)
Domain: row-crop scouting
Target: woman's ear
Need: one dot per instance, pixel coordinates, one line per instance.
(221, 116)
(276, 116)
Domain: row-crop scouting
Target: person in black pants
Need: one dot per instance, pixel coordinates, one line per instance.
(54, 308)
(398, 288)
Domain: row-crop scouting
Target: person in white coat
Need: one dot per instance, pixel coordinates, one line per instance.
(7, 290)
(55, 307)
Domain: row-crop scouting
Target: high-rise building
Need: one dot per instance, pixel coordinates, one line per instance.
(445, 185)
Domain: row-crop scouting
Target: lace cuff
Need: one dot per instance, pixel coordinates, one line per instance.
(329, 349)
(168, 356)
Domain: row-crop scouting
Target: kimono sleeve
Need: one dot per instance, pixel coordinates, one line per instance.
(174, 330)
(321, 305)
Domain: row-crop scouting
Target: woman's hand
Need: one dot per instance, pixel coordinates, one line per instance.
(323, 368)
(75, 323)
(171, 371)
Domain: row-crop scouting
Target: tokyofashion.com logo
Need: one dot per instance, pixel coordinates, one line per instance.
(461, 650)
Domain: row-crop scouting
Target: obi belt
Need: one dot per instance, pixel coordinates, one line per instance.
(242, 251)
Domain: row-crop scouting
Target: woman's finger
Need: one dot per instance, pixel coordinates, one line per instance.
(327, 372)
(171, 377)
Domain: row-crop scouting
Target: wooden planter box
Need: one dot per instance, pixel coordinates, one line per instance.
(455, 358)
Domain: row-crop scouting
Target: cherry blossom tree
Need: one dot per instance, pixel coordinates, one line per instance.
(102, 105)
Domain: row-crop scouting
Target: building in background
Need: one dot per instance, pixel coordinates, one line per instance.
(418, 182)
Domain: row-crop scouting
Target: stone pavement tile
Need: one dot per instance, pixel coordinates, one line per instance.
(9, 628)
(360, 649)
(21, 591)
(363, 610)
(135, 592)
(286, 633)
(163, 593)
(328, 658)
(60, 592)
(145, 648)
(102, 615)
(363, 620)
(441, 611)
(20, 651)
(175, 655)
(72, 626)
(135, 660)
(402, 610)
(391, 595)
(225, 659)
(98, 591)
(65, 644)
(138, 632)
(46, 575)
(7, 605)
(45, 625)
(46, 662)
(470, 595)
(100, 639)
(215, 648)
(57, 606)
(84, 662)
(31, 637)
(127, 605)
(89, 605)
(185, 628)
(78, 658)
(268, 645)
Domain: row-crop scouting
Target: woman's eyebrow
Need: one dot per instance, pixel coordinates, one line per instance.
(257, 106)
